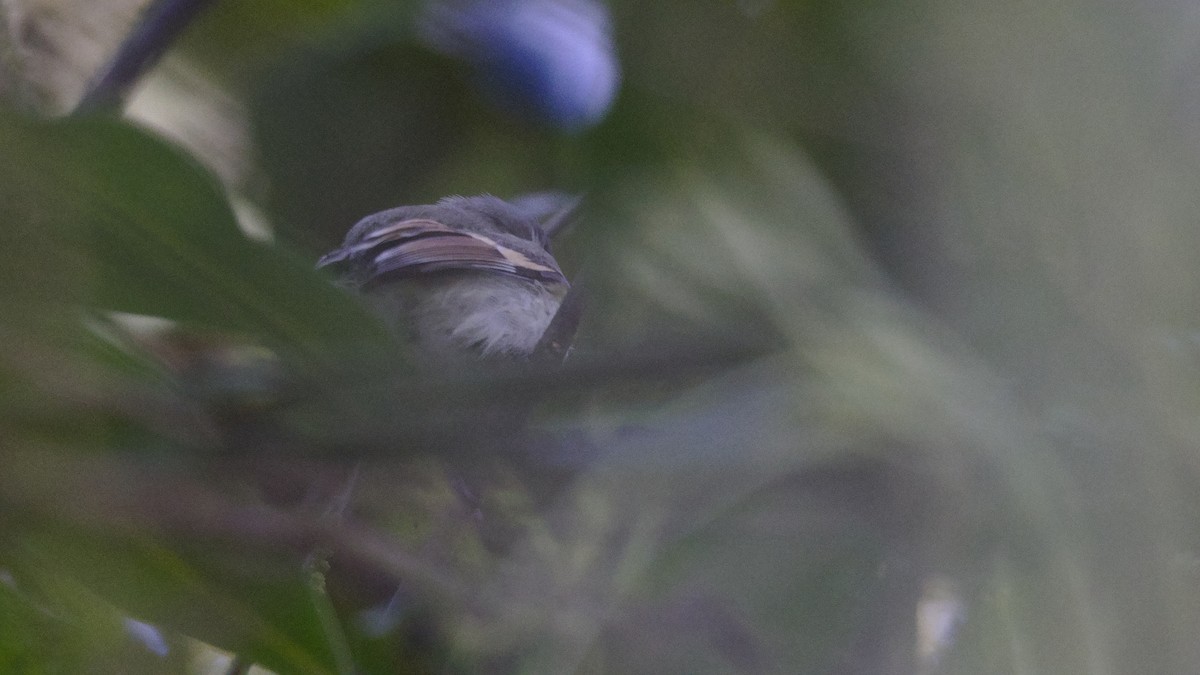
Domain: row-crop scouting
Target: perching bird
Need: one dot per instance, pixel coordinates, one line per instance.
(466, 276)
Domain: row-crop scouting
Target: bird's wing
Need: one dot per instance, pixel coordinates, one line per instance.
(420, 246)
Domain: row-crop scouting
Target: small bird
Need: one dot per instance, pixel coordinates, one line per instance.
(468, 276)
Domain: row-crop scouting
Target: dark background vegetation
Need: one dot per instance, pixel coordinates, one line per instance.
(892, 310)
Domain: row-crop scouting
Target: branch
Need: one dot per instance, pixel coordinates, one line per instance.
(159, 26)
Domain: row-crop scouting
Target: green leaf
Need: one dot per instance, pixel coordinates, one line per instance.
(261, 608)
(144, 229)
(68, 629)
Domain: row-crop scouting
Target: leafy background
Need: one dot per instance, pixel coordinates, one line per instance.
(892, 309)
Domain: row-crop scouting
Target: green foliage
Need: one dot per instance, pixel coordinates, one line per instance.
(139, 228)
(891, 312)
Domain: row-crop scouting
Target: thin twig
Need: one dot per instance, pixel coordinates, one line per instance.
(158, 27)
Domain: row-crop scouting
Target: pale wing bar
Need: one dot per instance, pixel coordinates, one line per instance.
(420, 246)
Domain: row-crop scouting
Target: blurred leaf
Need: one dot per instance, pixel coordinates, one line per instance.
(69, 629)
(740, 237)
(261, 609)
(148, 232)
(154, 542)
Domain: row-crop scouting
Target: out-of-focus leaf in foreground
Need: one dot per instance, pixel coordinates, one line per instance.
(138, 227)
(101, 216)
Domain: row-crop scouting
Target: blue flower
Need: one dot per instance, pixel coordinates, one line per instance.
(553, 61)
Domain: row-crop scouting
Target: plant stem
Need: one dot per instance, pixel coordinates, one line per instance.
(159, 26)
